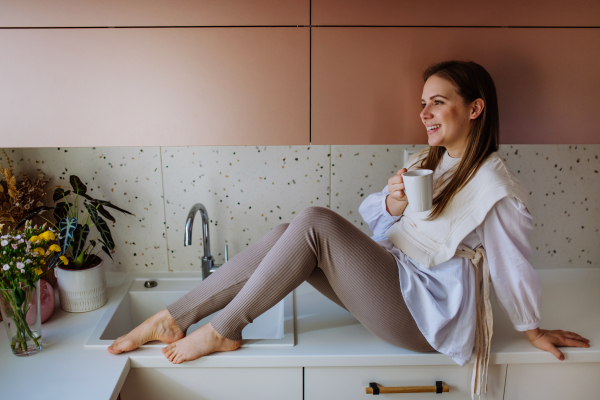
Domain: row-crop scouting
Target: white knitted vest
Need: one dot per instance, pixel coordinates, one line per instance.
(433, 242)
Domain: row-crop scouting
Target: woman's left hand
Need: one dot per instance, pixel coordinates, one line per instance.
(548, 340)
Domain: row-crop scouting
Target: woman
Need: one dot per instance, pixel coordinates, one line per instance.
(427, 306)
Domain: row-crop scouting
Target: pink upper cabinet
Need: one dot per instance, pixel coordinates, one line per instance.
(80, 13)
(457, 13)
(154, 87)
(367, 82)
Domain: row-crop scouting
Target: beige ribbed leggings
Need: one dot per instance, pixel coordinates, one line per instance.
(318, 246)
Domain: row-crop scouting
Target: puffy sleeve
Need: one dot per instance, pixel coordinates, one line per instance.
(374, 213)
(505, 237)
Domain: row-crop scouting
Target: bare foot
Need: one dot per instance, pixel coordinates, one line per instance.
(199, 343)
(161, 326)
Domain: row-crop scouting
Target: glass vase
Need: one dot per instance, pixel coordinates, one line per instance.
(22, 319)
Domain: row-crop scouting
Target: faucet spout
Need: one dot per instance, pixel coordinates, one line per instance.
(208, 263)
(189, 225)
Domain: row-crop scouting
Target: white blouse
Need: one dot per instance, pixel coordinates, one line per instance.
(441, 299)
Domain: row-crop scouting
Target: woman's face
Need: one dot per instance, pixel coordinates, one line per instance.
(446, 112)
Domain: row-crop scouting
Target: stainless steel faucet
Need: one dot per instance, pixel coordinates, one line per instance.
(208, 265)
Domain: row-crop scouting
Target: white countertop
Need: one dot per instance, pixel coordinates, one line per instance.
(327, 335)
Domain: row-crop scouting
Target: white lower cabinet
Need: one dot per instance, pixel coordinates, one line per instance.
(348, 383)
(213, 384)
(576, 381)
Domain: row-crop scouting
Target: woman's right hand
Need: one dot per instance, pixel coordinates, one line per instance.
(396, 201)
(396, 186)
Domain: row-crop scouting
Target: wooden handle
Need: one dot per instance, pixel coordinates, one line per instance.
(408, 389)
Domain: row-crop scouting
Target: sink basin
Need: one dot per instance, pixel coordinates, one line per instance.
(134, 303)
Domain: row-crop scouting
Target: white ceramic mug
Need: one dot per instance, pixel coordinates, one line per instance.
(418, 186)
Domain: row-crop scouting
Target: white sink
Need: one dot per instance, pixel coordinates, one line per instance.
(134, 303)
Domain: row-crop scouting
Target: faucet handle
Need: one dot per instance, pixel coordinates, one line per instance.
(226, 257)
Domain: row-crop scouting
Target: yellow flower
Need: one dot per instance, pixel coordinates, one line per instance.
(54, 247)
(48, 235)
(40, 251)
(64, 260)
(38, 271)
(34, 239)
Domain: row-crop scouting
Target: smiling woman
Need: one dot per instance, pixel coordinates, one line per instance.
(460, 112)
(424, 266)
(479, 216)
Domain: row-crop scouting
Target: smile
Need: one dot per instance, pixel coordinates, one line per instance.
(433, 128)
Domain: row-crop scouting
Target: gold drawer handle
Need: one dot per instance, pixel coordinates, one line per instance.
(376, 388)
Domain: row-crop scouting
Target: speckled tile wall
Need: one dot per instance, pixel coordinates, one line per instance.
(357, 171)
(128, 177)
(248, 190)
(564, 185)
(563, 181)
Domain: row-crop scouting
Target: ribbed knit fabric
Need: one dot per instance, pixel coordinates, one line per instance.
(318, 246)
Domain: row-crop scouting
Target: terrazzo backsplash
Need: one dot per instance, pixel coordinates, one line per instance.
(247, 190)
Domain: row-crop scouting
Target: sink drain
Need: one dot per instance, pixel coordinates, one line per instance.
(150, 284)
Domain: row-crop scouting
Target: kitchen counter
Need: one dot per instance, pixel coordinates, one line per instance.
(326, 335)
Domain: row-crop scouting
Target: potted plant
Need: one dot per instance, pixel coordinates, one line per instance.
(22, 255)
(81, 279)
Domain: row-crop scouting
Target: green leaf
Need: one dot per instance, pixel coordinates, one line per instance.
(87, 196)
(107, 252)
(110, 205)
(77, 185)
(67, 227)
(58, 194)
(19, 297)
(61, 210)
(101, 226)
(32, 214)
(106, 214)
(79, 237)
(54, 260)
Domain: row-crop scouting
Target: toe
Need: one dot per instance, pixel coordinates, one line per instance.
(114, 348)
(168, 354)
(169, 347)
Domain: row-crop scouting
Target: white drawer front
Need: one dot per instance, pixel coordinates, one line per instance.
(552, 381)
(348, 383)
(213, 384)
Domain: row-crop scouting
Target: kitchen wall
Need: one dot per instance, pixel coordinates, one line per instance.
(248, 190)
(353, 65)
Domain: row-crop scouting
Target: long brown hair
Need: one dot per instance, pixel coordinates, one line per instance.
(472, 82)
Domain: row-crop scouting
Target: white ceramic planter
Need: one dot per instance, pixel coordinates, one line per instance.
(81, 290)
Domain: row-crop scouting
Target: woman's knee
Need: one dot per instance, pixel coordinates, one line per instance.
(315, 217)
(315, 213)
(281, 228)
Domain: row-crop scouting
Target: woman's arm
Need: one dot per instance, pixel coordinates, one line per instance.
(504, 234)
(375, 213)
